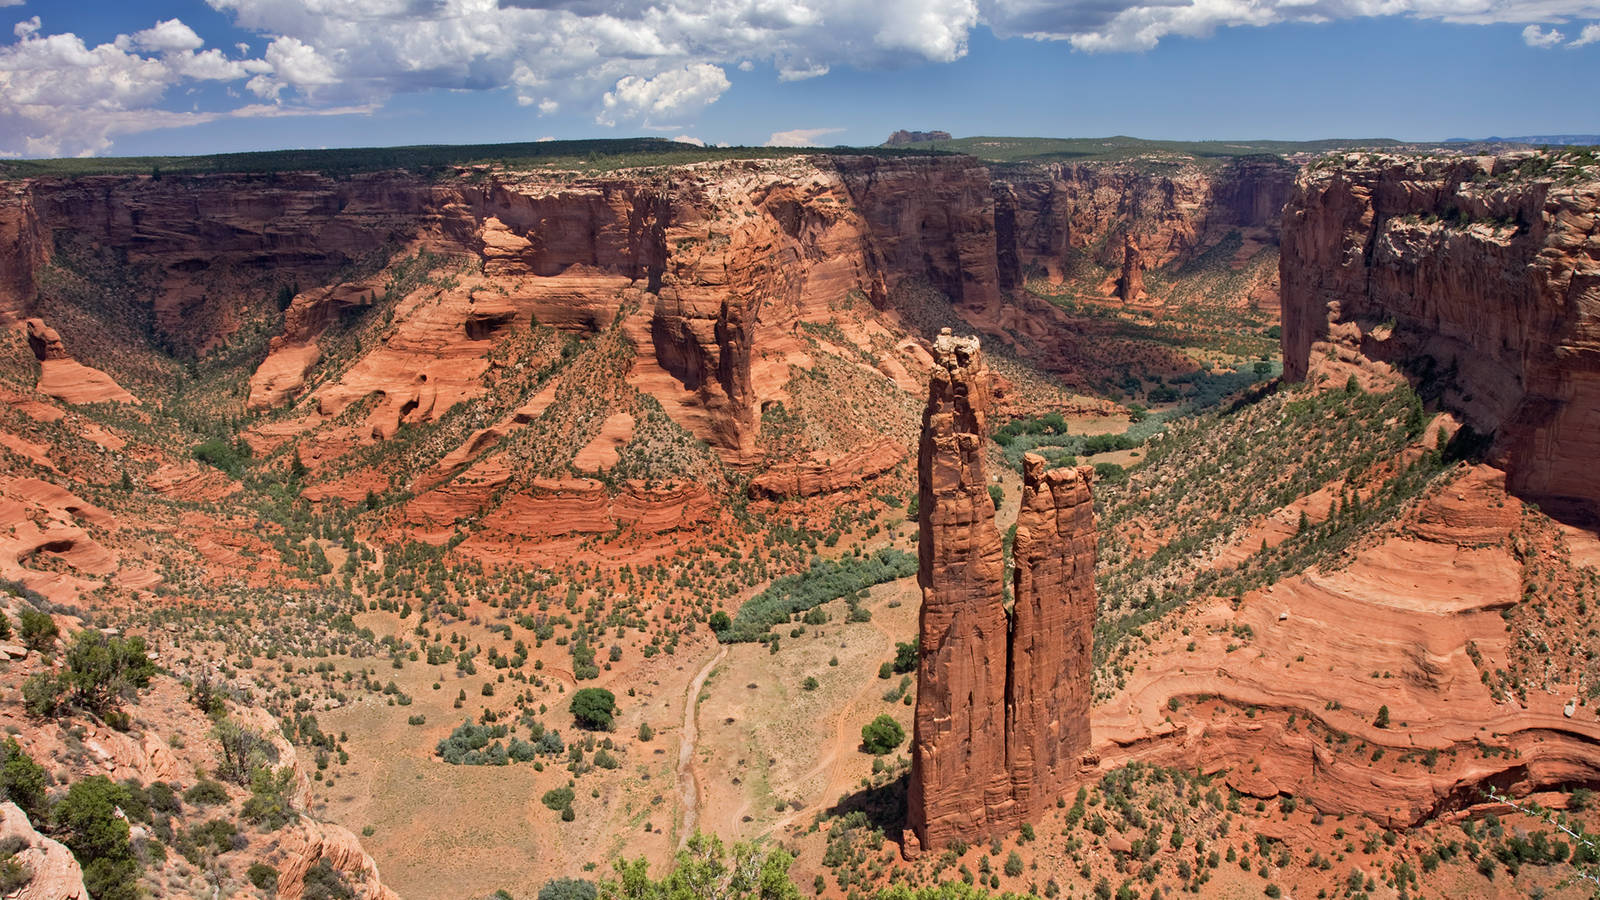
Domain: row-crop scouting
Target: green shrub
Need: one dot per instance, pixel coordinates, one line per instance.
(206, 793)
(269, 805)
(469, 745)
(42, 693)
(568, 889)
(593, 708)
(90, 827)
(825, 580)
(37, 630)
(882, 735)
(22, 781)
(262, 876)
(100, 669)
(558, 798)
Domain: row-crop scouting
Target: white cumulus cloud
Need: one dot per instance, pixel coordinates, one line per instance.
(799, 137)
(1117, 25)
(1589, 35)
(688, 89)
(1534, 36)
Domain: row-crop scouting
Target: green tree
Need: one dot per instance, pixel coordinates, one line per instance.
(594, 708)
(41, 694)
(1014, 864)
(1382, 721)
(101, 669)
(720, 622)
(98, 837)
(37, 629)
(882, 735)
(243, 751)
(22, 781)
(704, 869)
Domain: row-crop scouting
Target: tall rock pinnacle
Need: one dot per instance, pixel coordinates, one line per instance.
(959, 785)
(1052, 633)
(1002, 714)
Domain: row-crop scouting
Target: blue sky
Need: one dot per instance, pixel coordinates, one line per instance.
(193, 76)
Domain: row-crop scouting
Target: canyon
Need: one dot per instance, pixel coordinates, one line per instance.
(344, 440)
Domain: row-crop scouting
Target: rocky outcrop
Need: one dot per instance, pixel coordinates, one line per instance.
(308, 843)
(824, 474)
(1427, 605)
(23, 249)
(65, 378)
(1052, 634)
(903, 137)
(1130, 284)
(928, 218)
(55, 872)
(1002, 708)
(1479, 277)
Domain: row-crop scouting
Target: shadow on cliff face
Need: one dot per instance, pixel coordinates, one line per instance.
(884, 805)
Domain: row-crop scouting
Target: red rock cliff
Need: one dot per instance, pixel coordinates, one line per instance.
(1478, 276)
(1047, 216)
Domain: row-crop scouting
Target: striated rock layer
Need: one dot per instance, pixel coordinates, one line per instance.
(1480, 277)
(1002, 717)
(1052, 635)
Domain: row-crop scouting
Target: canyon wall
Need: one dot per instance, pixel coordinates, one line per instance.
(722, 256)
(1002, 715)
(1478, 277)
(1047, 217)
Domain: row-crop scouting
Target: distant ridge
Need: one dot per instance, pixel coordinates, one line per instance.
(1552, 139)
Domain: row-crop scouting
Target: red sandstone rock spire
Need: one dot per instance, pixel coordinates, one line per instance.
(1130, 285)
(1052, 633)
(959, 785)
(1002, 715)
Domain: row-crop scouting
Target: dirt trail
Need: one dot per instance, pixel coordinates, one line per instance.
(688, 787)
(844, 742)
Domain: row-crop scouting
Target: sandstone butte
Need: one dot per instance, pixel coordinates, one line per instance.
(1002, 714)
(1466, 276)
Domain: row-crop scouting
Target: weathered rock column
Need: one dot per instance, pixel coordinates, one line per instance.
(959, 783)
(1002, 719)
(1052, 637)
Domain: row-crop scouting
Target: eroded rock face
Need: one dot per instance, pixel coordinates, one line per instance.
(1479, 280)
(56, 873)
(1049, 215)
(1002, 716)
(959, 784)
(1052, 633)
